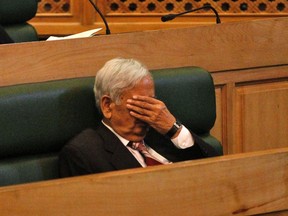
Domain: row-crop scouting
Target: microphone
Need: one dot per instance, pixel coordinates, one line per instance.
(101, 15)
(168, 17)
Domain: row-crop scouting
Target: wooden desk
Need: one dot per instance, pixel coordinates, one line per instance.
(241, 184)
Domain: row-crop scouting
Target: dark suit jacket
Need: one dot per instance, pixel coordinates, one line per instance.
(96, 151)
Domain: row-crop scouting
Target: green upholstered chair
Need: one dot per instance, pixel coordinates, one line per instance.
(14, 15)
(38, 119)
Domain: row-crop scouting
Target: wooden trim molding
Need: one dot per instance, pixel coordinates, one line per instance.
(241, 184)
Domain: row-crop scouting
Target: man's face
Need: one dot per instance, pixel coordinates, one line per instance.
(119, 118)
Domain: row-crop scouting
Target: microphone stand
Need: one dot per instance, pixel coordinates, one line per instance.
(102, 17)
(168, 17)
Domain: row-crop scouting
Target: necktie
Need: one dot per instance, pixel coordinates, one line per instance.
(139, 146)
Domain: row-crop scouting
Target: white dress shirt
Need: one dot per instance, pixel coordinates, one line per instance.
(182, 141)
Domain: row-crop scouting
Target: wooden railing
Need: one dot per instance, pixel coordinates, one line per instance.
(240, 184)
(217, 48)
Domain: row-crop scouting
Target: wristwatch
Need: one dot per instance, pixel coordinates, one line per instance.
(176, 126)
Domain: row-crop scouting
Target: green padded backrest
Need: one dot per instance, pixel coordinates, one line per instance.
(37, 120)
(14, 15)
(23, 32)
(189, 94)
(17, 11)
(27, 169)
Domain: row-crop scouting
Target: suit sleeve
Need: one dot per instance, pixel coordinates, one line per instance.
(206, 149)
(72, 163)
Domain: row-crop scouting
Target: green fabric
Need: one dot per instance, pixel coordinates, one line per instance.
(213, 142)
(14, 15)
(40, 118)
(17, 11)
(28, 169)
(190, 97)
(21, 32)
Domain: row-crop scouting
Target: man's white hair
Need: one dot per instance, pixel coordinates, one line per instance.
(117, 75)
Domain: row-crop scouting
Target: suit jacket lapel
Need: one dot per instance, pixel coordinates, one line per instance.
(121, 157)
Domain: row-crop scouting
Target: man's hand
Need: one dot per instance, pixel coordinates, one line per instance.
(152, 111)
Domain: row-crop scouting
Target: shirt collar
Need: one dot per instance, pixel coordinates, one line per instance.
(123, 140)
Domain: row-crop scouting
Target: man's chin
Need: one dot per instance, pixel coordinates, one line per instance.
(143, 131)
(139, 136)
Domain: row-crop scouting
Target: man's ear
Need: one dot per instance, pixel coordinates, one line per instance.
(106, 104)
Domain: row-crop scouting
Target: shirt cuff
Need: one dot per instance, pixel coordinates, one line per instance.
(184, 139)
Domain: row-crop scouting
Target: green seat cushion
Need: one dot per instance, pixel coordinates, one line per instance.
(28, 169)
(17, 11)
(40, 118)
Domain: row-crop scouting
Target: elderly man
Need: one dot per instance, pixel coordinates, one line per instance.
(125, 94)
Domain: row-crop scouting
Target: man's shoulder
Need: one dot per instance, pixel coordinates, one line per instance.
(86, 137)
(88, 132)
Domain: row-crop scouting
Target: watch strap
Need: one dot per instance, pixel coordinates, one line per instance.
(176, 126)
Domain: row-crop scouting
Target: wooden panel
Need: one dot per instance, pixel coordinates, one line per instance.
(245, 7)
(262, 116)
(280, 213)
(54, 6)
(218, 129)
(244, 184)
(64, 17)
(77, 16)
(215, 48)
(232, 129)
